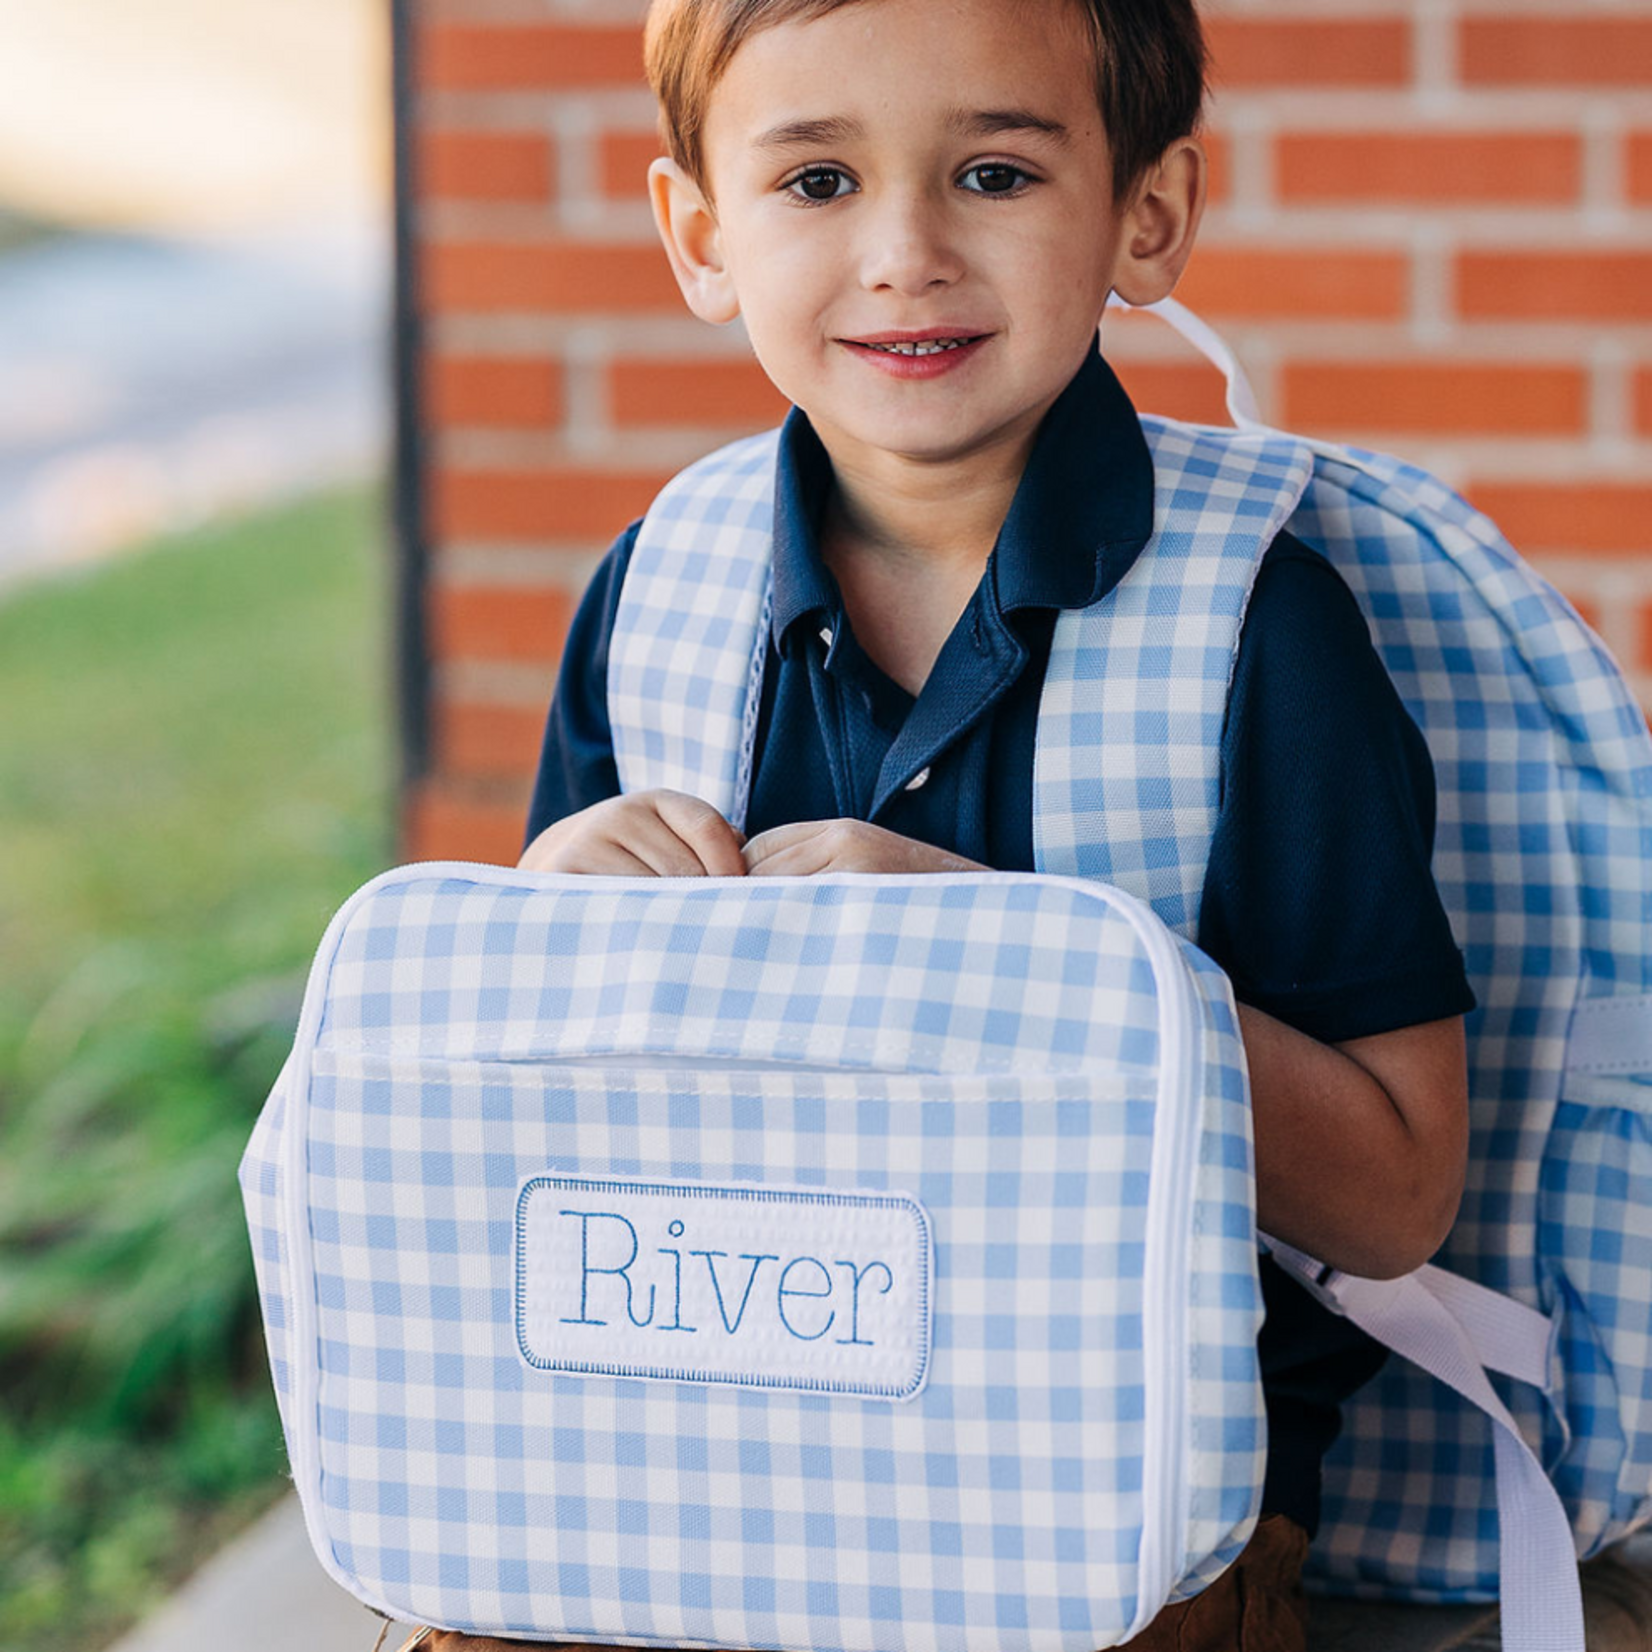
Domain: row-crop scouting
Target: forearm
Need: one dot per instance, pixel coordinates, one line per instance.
(1361, 1147)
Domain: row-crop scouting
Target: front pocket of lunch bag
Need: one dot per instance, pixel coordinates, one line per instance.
(986, 1478)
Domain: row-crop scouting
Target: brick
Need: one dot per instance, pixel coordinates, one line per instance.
(485, 166)
(1643, 401)
(443, 820)
(1430, 166)
(493, 391)
(1439, 397)
(485, 622)
(1600, 517)
(519, 57)
(622, 163)
(1179, 390)
(1570, 47)
(587, 506)
(1221, 167)
(1265, 51)
(693, 393)
(1303, 282)
(1643, 638)
(573, 277)
(1573, 286)
(482, 741)
(1638, 168)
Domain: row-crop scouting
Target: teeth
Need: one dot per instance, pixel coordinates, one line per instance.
(924, 347)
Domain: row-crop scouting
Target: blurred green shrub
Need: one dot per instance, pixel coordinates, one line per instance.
(198, 774)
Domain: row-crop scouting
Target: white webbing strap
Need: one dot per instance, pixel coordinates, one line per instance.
(1542, 1601)
(1611, 1036)
(1505, 1335)
(1242, 405)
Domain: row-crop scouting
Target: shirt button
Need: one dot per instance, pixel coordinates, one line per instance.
(917, 780)
(826, 635)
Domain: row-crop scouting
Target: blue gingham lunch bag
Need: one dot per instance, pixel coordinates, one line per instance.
(851, 1262)
(1517, 1432)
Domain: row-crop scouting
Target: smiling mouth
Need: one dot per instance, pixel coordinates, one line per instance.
(920, 347)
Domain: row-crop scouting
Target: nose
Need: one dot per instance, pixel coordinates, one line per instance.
(909, 247)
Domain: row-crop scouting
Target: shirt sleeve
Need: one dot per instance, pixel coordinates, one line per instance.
(1319, 899)
(576, 760)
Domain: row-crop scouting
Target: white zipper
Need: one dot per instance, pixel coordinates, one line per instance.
(1162, 1557)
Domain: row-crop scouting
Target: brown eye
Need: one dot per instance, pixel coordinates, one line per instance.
(821, 183)
(995, 179)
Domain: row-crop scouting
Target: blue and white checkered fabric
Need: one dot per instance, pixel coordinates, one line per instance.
(1031, 1059)
(1125, 785)
(1544, 861)
(1543, 856)
(1125, 781)
(683, 669)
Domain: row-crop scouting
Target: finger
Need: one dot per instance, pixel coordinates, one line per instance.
(586, 852)
(793, 860)
(715, 844)
(770, 843)
(534, 857)
(603, 858)
(655, 844)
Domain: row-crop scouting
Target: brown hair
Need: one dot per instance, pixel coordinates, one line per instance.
(1150, 69)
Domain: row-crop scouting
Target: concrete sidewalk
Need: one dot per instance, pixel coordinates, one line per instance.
(267, 1593)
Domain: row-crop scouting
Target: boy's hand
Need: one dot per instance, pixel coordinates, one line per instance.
(811, 846)
(643, 835)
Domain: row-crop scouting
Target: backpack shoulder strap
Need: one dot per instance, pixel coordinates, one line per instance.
(1129, 730)
(686, 657)
(1127, 766)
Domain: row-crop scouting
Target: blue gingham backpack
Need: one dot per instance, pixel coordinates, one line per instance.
(1517, 1432)
(852, 1262)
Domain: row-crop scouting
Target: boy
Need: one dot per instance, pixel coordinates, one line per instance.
(919, 209)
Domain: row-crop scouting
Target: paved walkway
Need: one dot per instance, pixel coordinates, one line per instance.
(266, 1593)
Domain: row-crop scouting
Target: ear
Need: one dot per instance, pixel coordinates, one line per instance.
(693, 242)
(1161, 223)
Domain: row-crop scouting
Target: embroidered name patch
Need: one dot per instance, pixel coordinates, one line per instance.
(689, 1282)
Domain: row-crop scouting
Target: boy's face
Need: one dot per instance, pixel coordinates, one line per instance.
(905, 176)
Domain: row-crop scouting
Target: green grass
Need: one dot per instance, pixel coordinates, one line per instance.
(194, 771)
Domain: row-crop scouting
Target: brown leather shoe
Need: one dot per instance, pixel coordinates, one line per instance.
(1256, 1605)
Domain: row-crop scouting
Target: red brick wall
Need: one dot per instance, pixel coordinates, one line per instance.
(1431, 230)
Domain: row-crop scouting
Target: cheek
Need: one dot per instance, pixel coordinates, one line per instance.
(785, 287)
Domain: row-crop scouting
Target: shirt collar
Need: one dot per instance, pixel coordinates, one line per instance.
(1079, 518)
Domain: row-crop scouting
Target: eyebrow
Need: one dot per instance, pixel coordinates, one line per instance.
(974, 123)
(796, 134)
(988, 123)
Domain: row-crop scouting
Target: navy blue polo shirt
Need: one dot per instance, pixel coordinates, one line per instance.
(1318, 899)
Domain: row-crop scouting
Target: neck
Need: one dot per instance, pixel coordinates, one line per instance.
(942, 514)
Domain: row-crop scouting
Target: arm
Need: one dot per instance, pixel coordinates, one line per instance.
(1321, 905)
(576, 758)
(1361, 1147)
